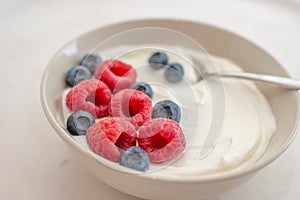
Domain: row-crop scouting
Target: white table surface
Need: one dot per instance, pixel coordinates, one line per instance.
(35, 164)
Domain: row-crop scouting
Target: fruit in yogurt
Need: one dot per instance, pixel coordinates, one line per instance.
(135, 158)
(166, 109)
(162, 139)
(91, 61)
(77, 74)
(240, 145)
(132, 105)
(92, 96)
(110, 136)
(174, 72)
(158, 60)
(79, 121)
(144, 87)
(116, 75)
(125, 132)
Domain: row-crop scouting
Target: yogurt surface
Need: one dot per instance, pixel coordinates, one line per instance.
(247, 126)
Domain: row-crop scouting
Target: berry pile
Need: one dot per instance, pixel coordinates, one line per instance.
(116, 115)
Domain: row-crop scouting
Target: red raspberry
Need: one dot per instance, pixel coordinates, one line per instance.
(92, 96)
(116, 74)
(162, 138)
(132, 105)
(109, 137)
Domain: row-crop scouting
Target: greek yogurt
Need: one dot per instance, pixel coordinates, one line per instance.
(247, 126)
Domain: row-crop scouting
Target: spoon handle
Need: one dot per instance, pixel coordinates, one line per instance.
(279, 81)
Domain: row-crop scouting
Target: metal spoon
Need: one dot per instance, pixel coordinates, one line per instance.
(283, 82)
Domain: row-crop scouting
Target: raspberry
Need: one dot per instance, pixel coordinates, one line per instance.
(109, 137)
(92, 96)
(162, 139)
(116, 74)
(132, 105)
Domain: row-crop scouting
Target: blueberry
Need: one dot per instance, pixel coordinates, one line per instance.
(166, 109)
(144, 87)
(135, 158)
(174, 72)
(158, 60)
(91, 61)
(79, 121)
(77, 74)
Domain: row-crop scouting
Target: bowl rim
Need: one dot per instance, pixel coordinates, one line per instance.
(205, 178)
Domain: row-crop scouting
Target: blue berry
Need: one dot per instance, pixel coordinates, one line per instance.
(166, 109)
(77, 74)
(158, 60)
(174, 72)
(135, 158)
(91, 61)
(144, 87)
(79, 121)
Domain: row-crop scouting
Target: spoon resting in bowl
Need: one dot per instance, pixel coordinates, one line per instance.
(283, 82)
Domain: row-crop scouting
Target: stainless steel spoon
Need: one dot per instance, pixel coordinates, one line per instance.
(283, 82)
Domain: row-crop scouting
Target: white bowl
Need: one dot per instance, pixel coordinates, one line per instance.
(216, 41)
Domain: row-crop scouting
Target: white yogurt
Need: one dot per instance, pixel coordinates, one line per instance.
(247, 128)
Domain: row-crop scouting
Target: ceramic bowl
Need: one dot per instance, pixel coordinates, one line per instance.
(216, 41)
